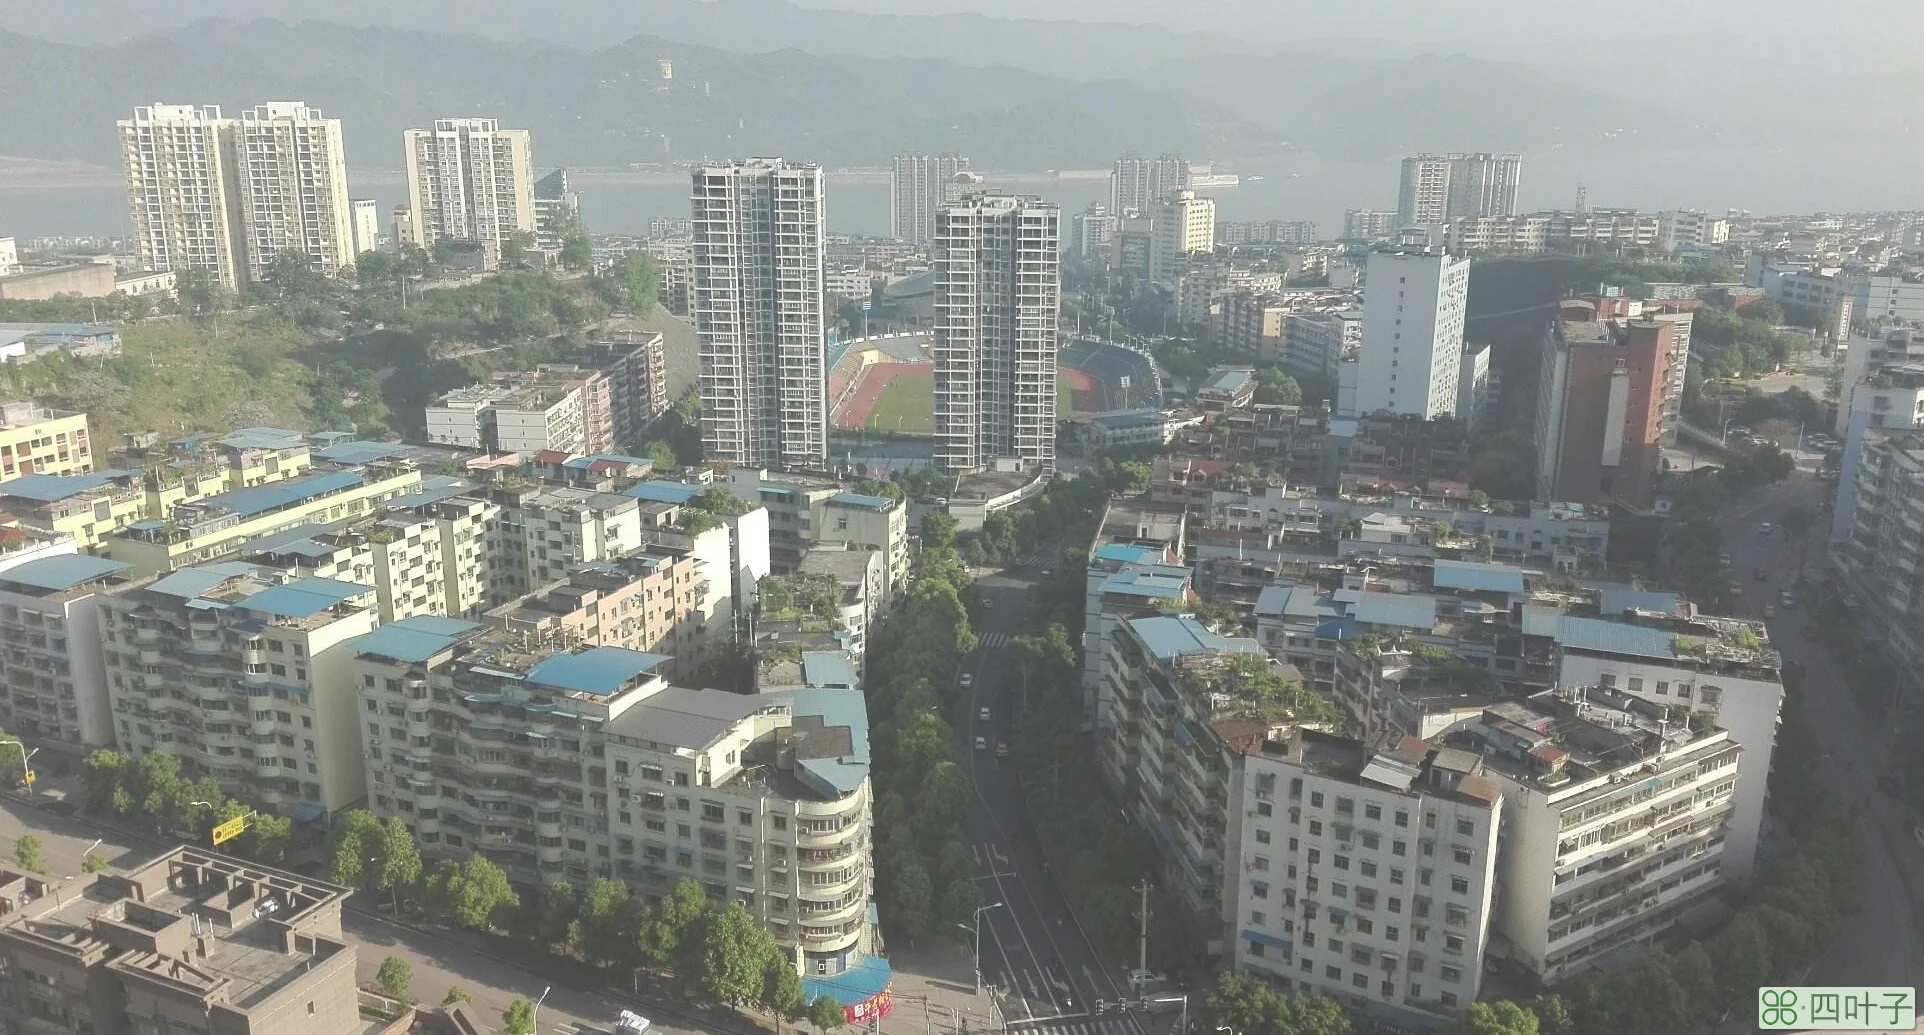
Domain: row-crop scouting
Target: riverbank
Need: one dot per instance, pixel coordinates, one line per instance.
(39, 174)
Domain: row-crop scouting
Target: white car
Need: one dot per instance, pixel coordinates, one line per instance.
(982, 715)
(982, 743)
(1765, 528)
(967, 681)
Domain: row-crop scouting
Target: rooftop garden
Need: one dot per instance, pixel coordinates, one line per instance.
(1253, 686)
(800, 596)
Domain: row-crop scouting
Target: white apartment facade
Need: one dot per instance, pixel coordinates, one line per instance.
(1740, 689)
(587, 764)
(470, 180)
(367, 226)
(541, 533)
(182, 195)
(1438, 188)
(399, 555)
(1413, 318)
(1879, 557)
(242, 674)
(918, 186)
(760, 229)
(1185, 225)
(1368, 872)
(998, 293)
(291, 170)
(1615, 825)
(1888, 398)
(1315, 344)
(1093, 233)
(51, 669)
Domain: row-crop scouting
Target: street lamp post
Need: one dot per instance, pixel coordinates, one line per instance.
(26, 762)
(977, 932)
(534, 1015)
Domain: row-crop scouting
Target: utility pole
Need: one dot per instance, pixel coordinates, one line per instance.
(1142, 939)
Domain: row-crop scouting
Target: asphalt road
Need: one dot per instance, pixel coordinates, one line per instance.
(1045, 970)
(1881, 946)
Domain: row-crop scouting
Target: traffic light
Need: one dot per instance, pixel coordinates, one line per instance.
(1102, 1006)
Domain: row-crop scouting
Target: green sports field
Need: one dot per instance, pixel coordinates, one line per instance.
(907, 404)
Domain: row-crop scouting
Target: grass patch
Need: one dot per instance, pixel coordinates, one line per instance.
(907, 404)
(174, 376)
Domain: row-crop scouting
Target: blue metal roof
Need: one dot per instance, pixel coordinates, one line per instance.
(261, 499)
(417, 639)
(1251, 935)
(188, 583)
(829, 669)
(1171, 636)
(1614, 637)
(1128, 419)
(663, 492)
(359, 452)
(597, 670)
(62, 573)
(298, 540)
(1479, 577)
(848, 708)
(1273, 599)
(1128, 553)
(862, 981)
(304, 597)
(52, 488)
(1156, 581)
(856, 499)
(1540, 621)
(1396, 609)
(262, 438)
(434, 489)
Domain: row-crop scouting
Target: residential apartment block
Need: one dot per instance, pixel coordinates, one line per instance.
(182, 193)
(1315, 344)
(998, 284)
(36, 439)
(241, 673)
(1413, 312)
(53, 684)
(1437, 188)
(757, 298)
(1879, 555)
(652, 601)
(470, 180)
(1616, 822)
(1185, 225)
(506, 417)
(1368, 871)
(399, 555)
(291, 173)
(587, 763)
(918, 187)
(805, 512)
(1603, 405)
(192, 941)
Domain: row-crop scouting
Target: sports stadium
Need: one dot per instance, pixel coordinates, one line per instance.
(887, 383)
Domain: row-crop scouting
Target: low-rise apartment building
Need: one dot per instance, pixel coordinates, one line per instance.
(84, 507)
(1133, 534)
(541, 532)
(1316, 344)
(22, 543)
(398, 554)
(194, 941)
(242, 673)
(513, 418)
(587, 763)
(471, 575)
(214, 527)
(1249, 323)
(1181, 720)
(805, 511)
(1616, 820)
(53, 683)
(1368, 872)
(34, 438)
(649, 601)
(863, 581)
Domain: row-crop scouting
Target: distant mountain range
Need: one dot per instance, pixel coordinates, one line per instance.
(1077, 50)
(602, 107)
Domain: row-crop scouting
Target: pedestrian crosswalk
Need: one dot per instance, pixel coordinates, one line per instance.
(1111, 1024)
(991, 641)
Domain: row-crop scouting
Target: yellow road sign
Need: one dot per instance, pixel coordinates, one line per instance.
(231, 829)
(31, 777)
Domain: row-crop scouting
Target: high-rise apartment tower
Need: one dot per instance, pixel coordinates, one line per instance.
(918, 187)
(470, 180)
(998, 285)
(759, 228)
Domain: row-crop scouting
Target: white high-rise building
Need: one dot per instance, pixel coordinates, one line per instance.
(226, 196)
(1095, 232)
(1413, 306)
(1438, 188)
(1184, 225)
(181, 196)
(1131, 185)
(291, 168)
(998, 287)
(470, 180)
(367, 225)
(918, 187)
(759, 229)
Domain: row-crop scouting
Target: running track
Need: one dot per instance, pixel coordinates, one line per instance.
(869, 385)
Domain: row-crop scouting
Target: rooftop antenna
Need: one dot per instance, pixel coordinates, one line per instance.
(1583, 199)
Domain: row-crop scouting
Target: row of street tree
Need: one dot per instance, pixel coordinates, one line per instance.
(150, 790)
